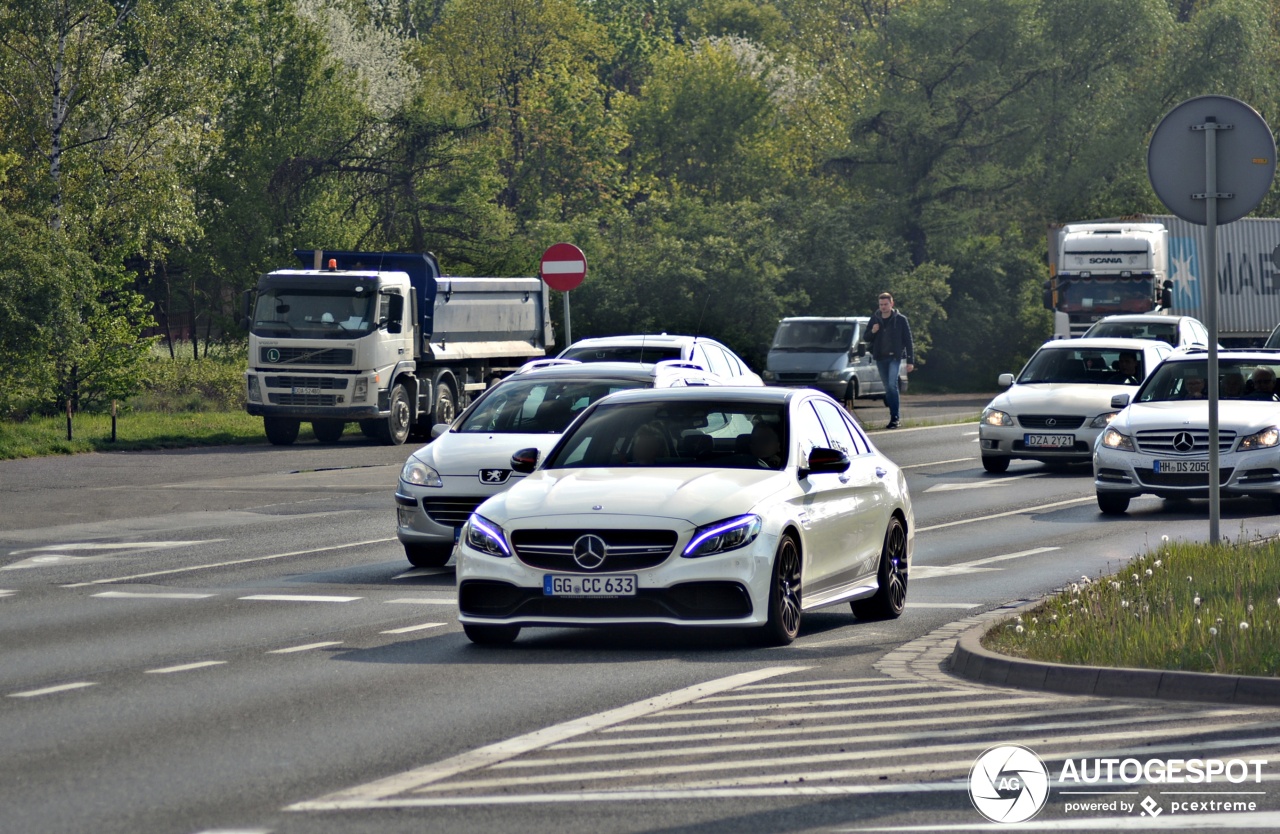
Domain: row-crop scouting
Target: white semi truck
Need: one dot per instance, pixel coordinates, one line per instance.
(382, 340)
(1154, 262)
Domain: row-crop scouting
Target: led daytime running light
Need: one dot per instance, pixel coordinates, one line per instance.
(479, 524)
(719, 529)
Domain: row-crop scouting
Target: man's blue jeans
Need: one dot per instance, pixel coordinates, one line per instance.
(889, 376)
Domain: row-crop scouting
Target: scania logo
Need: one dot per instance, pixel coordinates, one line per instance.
(589, 551)
(494, 476)
(273, 355)
(1183, 441)
(1106, 260)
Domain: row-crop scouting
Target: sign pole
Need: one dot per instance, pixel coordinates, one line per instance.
(568, 330)
(1211, 195)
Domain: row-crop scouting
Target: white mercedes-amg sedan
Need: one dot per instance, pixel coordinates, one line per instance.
(741, 507)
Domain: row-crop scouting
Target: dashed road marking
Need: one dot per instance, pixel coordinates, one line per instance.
(1023, 511)
(186, 667)
(975, 566)
(424, 601)
(50, 690)
(412, 628)
(307, 647)
(151, 595)
(298, 598)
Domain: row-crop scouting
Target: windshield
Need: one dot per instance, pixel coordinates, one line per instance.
(661, 435)
(1105, 295)
(538, 406)
(623, 353)
(1106, 366)
(329, 313)
(813, 335)
(1237, 380)
(1166, 332)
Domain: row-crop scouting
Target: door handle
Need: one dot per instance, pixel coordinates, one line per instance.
(844, 478)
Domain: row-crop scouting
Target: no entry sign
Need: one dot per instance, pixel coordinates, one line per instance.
(563, 267)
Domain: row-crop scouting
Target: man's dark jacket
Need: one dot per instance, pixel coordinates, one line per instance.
(893, 339)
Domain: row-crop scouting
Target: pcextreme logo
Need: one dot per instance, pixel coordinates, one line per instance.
(1009, 783)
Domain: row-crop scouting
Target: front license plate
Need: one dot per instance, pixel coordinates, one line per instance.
(1049, 441)
(307, 391)
(1173, 467)
(567, 585)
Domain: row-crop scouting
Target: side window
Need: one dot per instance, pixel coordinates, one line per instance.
(717, 364)
(836, 430)
(807, 431)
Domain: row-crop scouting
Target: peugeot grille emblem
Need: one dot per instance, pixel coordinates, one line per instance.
(1183, 441)
(494, 476)
(589, 551)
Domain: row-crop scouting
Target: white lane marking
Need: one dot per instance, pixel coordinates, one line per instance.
(137, 595)
(7, 593)
(100, 546)
(503, 750)
(408, 629)
(936, 463)
(298, 598)
(961, 605)
(423, 572)
(993, 482)
(1262, 820)
(809, 693)
(796, 684)
(186, 667)
(305, 648)
(52, 559)
(49, 690)
(424, 601)
(236, 831)
(975, 566)
(229, 564)
(967, 719)
(818, 703)
(1022, 511)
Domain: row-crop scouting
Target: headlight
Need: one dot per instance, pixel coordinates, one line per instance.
(255, 392)
(360, 392)
(829, 375)
(419, 474)
(1264, 439)
(993, 417)
(1102, 420)
(485, 536)
(768, 375)
(1113, 439)
(729, 534)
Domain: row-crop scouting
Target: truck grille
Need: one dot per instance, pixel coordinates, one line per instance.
(451, 512)
(1041, 421)
(625, 550)
(305, 356)
(329, 383)
(1168, 441)
(302, 399)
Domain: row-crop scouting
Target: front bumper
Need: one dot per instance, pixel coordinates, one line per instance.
(1011, 442)
(729, 589)
(433, 515)
(1251, 473)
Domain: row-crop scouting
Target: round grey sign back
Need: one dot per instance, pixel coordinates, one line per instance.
(1246, 158)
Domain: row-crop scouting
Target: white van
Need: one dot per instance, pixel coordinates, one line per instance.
(825, 353)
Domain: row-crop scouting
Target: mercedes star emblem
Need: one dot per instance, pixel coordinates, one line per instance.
(589, 551)
(1183, 441)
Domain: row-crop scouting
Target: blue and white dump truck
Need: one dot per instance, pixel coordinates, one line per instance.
(382, 340)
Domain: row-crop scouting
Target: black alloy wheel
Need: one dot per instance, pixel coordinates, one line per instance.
(491, 635)
(428, 555)
(784, 596)
(889, 601)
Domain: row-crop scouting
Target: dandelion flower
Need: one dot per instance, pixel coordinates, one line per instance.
(1251, 608)
(1115, 585)
(1135, 577)
(1019, 629)
(1189, 579)
(1084, 580)
(1196, 602)
(1124, 603)
(1150, 572)
(1197, 621)
(1164, 538)
(1158, 562)
(1244, 626)
(1213, 631)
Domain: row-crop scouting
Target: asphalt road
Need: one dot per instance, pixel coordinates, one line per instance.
(231, 640)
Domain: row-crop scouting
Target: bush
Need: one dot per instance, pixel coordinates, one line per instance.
(182, 384)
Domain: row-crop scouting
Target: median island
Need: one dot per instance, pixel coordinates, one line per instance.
(1184, 606)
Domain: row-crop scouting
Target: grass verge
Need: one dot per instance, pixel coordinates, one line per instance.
(135, 430)
(1185, 606)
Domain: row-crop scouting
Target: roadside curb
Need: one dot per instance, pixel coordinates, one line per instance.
(969, 660)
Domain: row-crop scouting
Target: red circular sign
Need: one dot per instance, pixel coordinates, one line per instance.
(563, 267)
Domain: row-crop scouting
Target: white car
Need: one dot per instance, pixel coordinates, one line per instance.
(470, 460)
(1159, 444)
(718, 507)
(707, 353)
(1061, 402)
(1176, 331)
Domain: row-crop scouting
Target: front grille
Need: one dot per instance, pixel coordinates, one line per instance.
(1079, 447)
(302, 399)
(687, 601)
(1161, 441)
(1181, 479)
(626, 550)
(450, 512)
(1041, 421)
(797, 377)
(305, 356)
(328, 383)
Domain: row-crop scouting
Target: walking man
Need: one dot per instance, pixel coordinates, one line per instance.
(889, 339)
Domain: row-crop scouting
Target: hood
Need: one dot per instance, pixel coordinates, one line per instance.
(1060, 398)
(814, 361)
(698, 496)
(459, 453)
(1241, 416)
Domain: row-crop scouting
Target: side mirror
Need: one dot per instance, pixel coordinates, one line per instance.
(1120, 401)
(1005, 380)
(823, 460)
(525, 461)
(439, 429)
(861, 349)
(395, 315)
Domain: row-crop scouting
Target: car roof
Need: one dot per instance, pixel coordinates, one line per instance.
(728, 393)
(1264, 355)
(658, 339)
(1140, 317)
(602, 370)
(1100, 343)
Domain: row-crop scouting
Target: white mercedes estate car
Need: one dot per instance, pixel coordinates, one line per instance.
(707, 353)
(1061, 401)
(1159, 444)
(470, 460)
(739, 507)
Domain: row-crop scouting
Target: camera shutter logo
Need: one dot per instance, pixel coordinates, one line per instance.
(1009, 784)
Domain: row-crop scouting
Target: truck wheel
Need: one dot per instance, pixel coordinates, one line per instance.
(428, 555)
(369, 428)
(446, 402)
(394, 430)
(281, 431)
(328, 431)
(995, 465)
